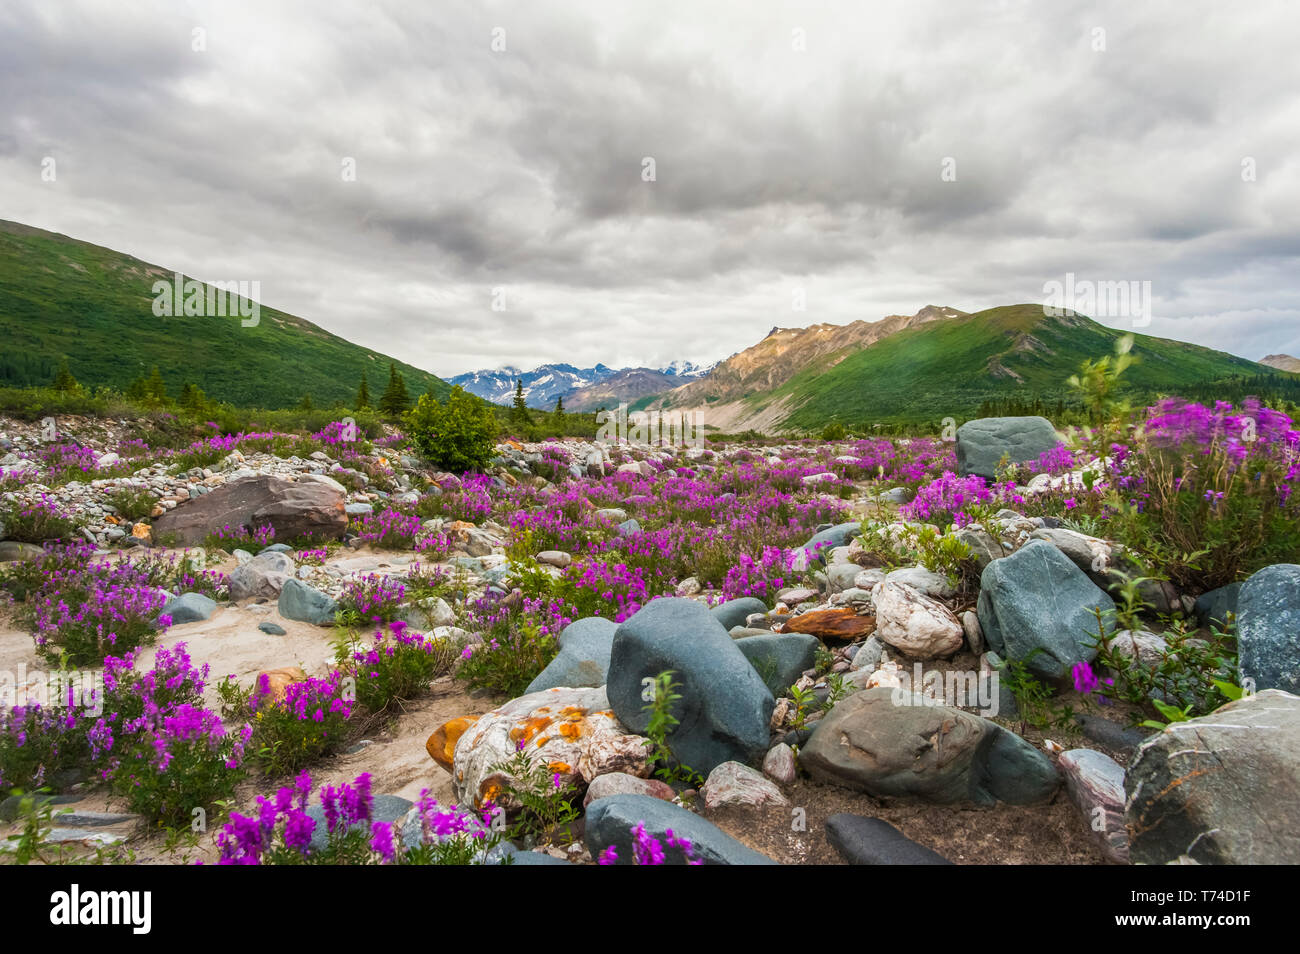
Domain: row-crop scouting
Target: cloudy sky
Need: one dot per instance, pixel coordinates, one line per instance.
(872, 157)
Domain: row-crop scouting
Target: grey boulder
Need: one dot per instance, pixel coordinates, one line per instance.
(891, 743)
(189, 608)
(736, 612)
(724, 707)
(1036, 605)
(306, 604)
(780, 659)
(583, 659)
(873, 841)
(981, 443)
(1268, 628)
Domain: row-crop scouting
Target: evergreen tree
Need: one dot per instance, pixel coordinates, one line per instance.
(305, 403)
(520, 411)
(64, 381)
(558, 413)
(363, 394)
(150, 390)
(395, 401)
(192, 398)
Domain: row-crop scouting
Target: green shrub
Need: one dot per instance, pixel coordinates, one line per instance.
(456, 436)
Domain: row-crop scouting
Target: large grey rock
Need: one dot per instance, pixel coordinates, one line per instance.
(1037, 599)
(780, 658)
(11, 550)
(982, 443)
(189, 608)
(1268, 627)
(1220, 789)
(736, 612)
(890, 743)
(1093, 555)
(873, 841)
(583, 659)
(296, 509)
(306, 604)
(610, 822)
(725, 707)
(263, 575)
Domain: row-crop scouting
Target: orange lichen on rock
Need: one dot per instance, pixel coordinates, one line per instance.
(529, 729)
(442, 744)
(563, 768)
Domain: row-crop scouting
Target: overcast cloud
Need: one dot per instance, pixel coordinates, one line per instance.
(776, 167)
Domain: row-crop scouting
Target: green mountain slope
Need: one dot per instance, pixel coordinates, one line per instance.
(949, 368)
(60, 297)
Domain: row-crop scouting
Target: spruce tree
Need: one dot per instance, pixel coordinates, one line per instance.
(520, 411)
(363, 394)
(558, 413)
(64, 381)
(395, 401)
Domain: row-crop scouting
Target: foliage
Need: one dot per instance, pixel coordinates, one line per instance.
(546, 802)
(294, 727)
(456, 436)
(397, 666)
(661, 695)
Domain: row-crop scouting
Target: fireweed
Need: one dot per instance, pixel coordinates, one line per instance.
(82, 614)
(38, 521)
(648, 850)
(398, 665)
(281, 830)
(309, 722)
(371, 597)
(154, 744)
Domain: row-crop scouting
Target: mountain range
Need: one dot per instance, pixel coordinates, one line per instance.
(64, 299)
(581, 388)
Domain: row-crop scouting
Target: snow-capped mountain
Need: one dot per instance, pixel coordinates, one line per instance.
(544, 384)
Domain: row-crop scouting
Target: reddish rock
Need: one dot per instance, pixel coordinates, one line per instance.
(842, 624)
(305, 508)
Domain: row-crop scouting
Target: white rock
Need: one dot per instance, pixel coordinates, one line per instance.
(914, 623)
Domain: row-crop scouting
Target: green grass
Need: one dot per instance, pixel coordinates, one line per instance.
(60, 297)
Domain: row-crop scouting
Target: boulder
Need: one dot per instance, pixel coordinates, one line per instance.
(610, 822)
(732, 785)
(1093, 555)
(383, 808)
(926, 582)
(296, 509)
(189, 608)
(306, 604)
(572, 731)
(263, 575)
(873, 841)
(892, 743)
(1268, 627)
(983, 544)
(583, 659)
(620, 783)
(779, 765)
(1220, 789)
(779, 658)
(736, 612)
(1095, 783)
(1037, 599)
(916, 624)
(983, 442)
(724, 707)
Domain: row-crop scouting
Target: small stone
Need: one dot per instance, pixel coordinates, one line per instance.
(779, 764)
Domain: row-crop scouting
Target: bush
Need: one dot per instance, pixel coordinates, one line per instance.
(457, 436)
(398, 666)
(310, 720)
(38, 522)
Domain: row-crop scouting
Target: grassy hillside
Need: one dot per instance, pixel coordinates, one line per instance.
(62, 298)
(1013, 353)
